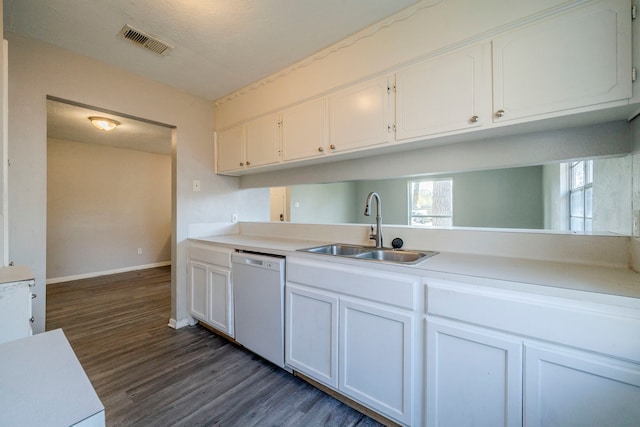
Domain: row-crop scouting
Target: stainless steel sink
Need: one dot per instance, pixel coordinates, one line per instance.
(391, 255)
(369, 253)
(338, 249)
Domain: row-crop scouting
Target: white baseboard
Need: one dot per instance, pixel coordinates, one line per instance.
(177, 324)
(105, 273)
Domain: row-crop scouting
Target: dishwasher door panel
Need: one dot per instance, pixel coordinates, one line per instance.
(258, 293)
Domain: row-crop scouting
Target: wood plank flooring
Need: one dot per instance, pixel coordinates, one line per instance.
(147, 374)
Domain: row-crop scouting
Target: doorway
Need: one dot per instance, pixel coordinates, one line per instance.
(109, 207)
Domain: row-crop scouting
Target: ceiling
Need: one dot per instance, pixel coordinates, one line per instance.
(218, 46)
(71, 123)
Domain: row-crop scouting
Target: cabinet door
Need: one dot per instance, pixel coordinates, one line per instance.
(15, 311)
(473, 377)
(359, 116)
(376, 358)
(263, 141)
(446, 93)
(311, 341)
(567, 388)
(304, 130)
(220, 299)
(230, 149)
(198, 291)
(577, 59)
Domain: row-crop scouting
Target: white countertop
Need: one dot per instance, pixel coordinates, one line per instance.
(600, 284)
(18, 273)
(43, 384)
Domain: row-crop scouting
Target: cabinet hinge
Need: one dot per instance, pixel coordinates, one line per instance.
(391, 88)
(634, 74)
(391, 127)
(634, 12)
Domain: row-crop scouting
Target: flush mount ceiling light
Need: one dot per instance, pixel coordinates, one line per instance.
(103, 123)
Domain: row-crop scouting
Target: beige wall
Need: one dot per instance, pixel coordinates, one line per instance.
(38, 69)
(103, 204)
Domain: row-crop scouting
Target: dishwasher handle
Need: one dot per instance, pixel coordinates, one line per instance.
(253, 261)
(258, 261)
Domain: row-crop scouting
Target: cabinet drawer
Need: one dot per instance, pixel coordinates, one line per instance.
(210, 255)
(374, 285)
(600, 328)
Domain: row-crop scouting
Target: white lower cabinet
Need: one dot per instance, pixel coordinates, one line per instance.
(566, 387)
(15, 303)
(498, 357)
(312, 333)
(376, 355)
(210, 287)
(474, 376)
(352, 329)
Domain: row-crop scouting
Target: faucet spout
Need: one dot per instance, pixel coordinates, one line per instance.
(367, 212)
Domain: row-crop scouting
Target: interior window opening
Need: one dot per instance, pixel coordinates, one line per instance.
(431, 202)
(581, 195)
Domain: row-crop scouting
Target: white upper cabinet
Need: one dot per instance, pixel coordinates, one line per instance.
(574, 60)
(304, 130)
(256, 143)
(446, 93)
(360, 116)
(230, 149)
(262, 138)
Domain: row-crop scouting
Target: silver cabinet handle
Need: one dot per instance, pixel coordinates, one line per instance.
(474, 119)
(333, 147)
(32, 319)
(499, 113)
(33, 296)
(320, 149)
(248, 163)
(241, 164)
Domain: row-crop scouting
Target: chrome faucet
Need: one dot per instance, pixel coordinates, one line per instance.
(367, 212)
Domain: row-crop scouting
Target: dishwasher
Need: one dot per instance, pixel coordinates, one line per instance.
(258, 299)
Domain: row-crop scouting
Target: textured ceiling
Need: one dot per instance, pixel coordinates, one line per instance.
(218, 45)
(71, 123)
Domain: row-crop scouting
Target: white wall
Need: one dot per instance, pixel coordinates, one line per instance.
(36, 70)
(103, 204)
(4, 169)
(502, 198)
(555, 194)
(323, 203)
(612, 189)
(394, 196)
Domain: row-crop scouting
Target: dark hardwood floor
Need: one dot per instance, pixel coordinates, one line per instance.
(147, 374)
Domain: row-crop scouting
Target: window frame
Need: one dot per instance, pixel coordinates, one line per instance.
(410, 214)
(587, 186)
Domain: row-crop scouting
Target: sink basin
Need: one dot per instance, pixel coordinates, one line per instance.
(369, 253)
(338, 249)
(391, 255)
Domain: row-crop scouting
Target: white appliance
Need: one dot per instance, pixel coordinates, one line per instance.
(258, 299)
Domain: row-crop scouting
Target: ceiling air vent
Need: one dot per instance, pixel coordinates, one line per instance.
(144, 40)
